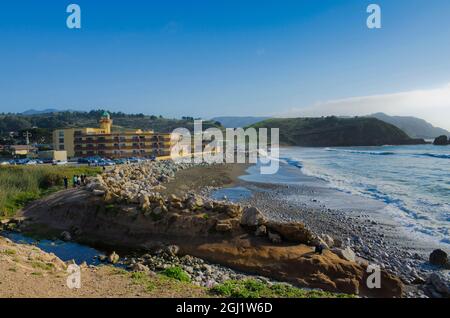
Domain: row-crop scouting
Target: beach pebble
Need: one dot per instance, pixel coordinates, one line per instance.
(113, 258)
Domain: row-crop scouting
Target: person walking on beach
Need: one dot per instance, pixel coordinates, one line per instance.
(78, 181)
(74, 181)
(66, 182)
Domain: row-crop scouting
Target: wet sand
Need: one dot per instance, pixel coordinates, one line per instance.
(204, 177)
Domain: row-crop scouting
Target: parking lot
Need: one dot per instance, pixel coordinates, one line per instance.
(91, 161)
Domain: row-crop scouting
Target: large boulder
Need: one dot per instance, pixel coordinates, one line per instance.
(440, 282)
(233, 210)
(194, 202)
(66, 236)
(98, 193)
(441, 141)
(293, 232)
(346, 253)
(439, 258)
(224, 226)
(275, 238)
(261, 230)
(252, 217)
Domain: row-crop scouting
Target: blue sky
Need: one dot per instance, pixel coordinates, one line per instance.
(217, 57)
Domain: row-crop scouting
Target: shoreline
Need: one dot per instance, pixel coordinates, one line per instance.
(357, 221)
(275, 201)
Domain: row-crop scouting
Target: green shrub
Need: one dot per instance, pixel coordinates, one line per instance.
(19, 185)
(143, 279)
(251, 288)
(177, 273)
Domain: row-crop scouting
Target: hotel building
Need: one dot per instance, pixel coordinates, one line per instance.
(88, 142)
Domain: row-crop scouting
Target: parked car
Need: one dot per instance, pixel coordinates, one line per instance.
(120, 161)
(59, 162)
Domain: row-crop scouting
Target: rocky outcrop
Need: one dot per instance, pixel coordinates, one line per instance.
(297, 264)
(441, 141)
(210, 234)
(293, 232)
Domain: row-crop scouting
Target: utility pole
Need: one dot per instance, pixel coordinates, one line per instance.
(27, 136)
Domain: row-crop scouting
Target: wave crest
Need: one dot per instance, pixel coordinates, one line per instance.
(363, 152)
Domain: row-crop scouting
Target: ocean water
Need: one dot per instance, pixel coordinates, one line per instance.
(413, 181)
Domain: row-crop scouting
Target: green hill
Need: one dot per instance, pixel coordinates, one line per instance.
(335, 132)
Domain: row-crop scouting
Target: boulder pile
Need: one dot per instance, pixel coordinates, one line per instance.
(198, 270)
(141, 185)
(127, 183)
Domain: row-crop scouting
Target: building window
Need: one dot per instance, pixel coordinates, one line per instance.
(61, 133)
(61, 140)
(61, 147)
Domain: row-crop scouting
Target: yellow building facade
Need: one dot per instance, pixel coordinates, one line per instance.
(89, 142)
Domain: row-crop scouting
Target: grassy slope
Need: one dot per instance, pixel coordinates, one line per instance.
(20, 185)
(333, 131)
